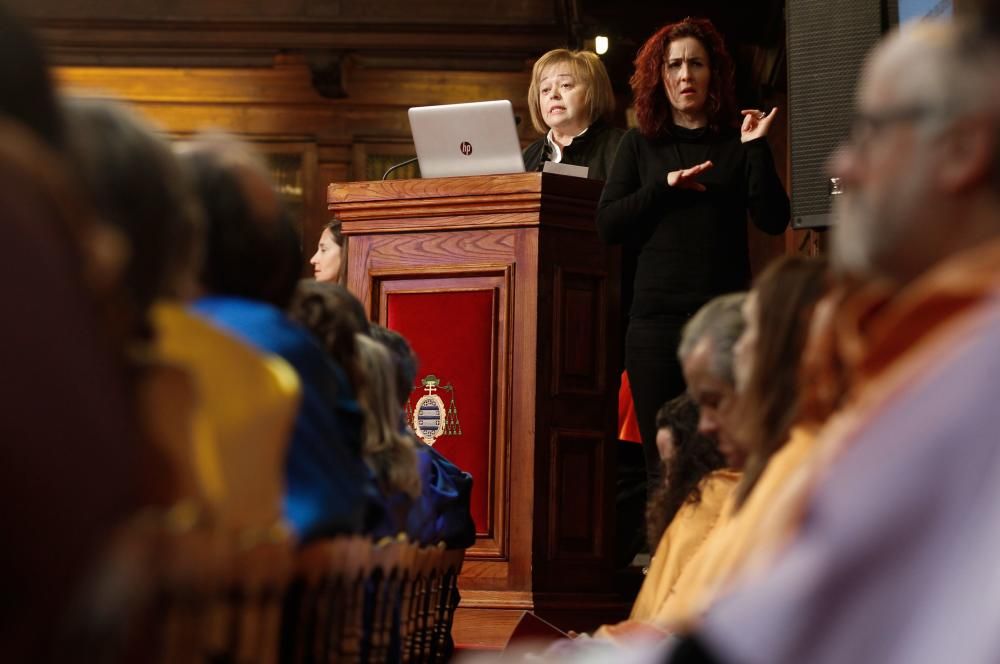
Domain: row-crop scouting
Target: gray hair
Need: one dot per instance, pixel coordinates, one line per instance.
(721, 321)
(957, 79)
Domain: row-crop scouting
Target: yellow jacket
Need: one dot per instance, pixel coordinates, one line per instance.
(244, 407)
(733, 543)
(680, 542)
(682, 539)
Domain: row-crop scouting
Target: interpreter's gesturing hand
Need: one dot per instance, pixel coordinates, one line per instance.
(685, 178)
(756, 123)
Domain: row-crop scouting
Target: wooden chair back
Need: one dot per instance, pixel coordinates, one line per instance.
(208, 595)
(324, 609)
(355, 601)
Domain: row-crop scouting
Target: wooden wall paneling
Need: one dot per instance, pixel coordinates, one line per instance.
(294, 168)
(334, 158)
(422, 87)
(71, 40)
(580, 343)
(371, 158)
(262, 11)
(576, 493)
(524, 400)
(278, 108)
(579, 307)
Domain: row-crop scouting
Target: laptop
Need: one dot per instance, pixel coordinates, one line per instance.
(478, 138)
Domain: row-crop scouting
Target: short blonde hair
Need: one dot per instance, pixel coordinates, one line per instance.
(588, 70)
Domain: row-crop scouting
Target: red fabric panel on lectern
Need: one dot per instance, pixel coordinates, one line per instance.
(452, 335)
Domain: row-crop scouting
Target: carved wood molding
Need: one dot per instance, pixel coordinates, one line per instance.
(510, 201)
(118, 42)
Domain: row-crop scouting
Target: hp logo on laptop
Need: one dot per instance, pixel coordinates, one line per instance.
(466, 148)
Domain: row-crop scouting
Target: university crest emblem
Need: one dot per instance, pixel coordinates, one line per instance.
(430, 418)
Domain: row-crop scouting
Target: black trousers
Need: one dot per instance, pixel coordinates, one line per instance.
(630, 503)
(654, 373)
(655, 376)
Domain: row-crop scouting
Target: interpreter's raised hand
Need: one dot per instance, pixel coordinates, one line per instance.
(685, 178)
(756, 123)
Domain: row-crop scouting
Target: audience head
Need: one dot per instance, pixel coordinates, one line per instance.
(335, 317)
(329, 311)
(706, 355)
(777, 314)
(327, 262)
(139, 188)
(385, 445)
(569, 91)
(921, 171)
(686, 456)
(252, 248)
(26, 91)
(71, 450)
(683, 68)
(402, 357)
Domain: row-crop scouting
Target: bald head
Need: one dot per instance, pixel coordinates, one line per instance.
(921, 169)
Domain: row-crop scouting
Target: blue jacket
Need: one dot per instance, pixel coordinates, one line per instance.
(329, 488)
(440, 513)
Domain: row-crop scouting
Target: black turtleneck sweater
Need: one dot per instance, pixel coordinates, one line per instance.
(595, 149)
(692, 245)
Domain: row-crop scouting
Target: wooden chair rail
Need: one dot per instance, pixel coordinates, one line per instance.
(209, 597)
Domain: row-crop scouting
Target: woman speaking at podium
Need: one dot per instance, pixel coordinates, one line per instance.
(679, 192)
(571, 103)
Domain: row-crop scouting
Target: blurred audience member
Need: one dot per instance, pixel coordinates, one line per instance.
(441, 512)
(68, 437)
(706, 353)
(335, 318)
(70, 445)
(777, 312)
(138, 188)
(26, 92)
(250, 271)
(390, 453)
(223, 410)
(687, 458)
(706, 356)
(766, 426)
(687, 506)
(419, 492)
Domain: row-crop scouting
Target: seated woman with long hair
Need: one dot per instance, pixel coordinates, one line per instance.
(774, 437)
(442, 511)
(687, 505)
(389, 452)
(336, 319)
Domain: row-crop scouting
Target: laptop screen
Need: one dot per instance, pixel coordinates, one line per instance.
(478, 138)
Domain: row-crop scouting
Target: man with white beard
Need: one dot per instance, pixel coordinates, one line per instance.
(892, 555)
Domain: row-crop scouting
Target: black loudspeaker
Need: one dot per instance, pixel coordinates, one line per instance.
(827, 44)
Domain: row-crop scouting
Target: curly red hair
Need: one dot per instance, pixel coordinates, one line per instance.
(652, 108)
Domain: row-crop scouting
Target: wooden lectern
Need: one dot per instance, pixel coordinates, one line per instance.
(511, 303)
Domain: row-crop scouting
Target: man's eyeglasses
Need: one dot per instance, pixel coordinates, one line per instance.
(866, 126)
